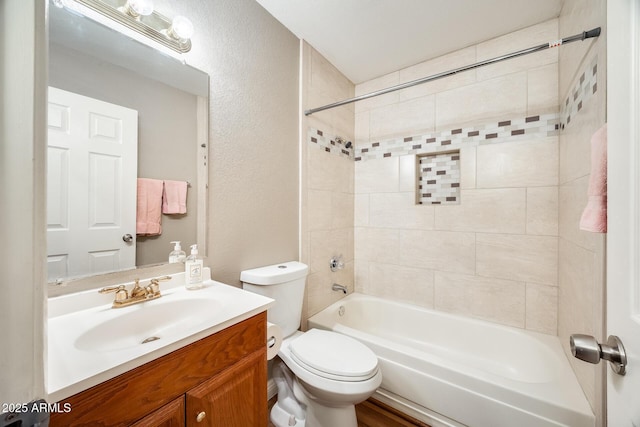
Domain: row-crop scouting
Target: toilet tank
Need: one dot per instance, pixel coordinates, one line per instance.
(285, 284)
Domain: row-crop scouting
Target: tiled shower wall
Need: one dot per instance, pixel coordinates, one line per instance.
(327, 177)
(494, 256)
(581, 254)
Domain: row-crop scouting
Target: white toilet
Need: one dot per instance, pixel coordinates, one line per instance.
(332, 372)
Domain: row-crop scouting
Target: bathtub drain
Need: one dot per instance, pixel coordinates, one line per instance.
(341, 311)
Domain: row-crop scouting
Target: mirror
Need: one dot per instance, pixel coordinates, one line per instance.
(93, 62)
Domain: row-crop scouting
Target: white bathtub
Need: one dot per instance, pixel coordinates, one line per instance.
(449, 370)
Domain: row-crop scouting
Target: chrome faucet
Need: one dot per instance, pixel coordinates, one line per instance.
(137, 294)
(337, 287)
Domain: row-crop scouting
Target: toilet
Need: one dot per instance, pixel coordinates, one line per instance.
(324, 374)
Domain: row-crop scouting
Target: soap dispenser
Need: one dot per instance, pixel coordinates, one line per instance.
(177, 254)
(193, 269)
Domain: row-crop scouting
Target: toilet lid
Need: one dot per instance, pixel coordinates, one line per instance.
(333, 355)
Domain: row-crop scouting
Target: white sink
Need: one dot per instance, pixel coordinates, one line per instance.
(165, 319)
(89, 342)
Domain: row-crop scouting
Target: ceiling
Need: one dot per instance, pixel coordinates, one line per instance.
(365, 39)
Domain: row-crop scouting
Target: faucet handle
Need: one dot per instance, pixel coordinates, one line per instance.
(121, 292)
(154, 284)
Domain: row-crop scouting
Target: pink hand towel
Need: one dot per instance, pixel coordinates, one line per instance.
(149, 205)
(594, 216)
(174, 198)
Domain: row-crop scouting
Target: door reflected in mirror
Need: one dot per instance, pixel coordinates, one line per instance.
(96, 75)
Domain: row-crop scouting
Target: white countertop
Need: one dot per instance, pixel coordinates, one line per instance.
(73, 367)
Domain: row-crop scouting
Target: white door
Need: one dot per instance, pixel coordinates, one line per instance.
(623, 238)
(91, 185)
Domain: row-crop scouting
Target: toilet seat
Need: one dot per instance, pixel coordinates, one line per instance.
(334, 356)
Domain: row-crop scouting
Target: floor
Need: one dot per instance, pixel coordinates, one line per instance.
(373, 413)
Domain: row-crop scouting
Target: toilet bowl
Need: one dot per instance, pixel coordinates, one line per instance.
(325, 373)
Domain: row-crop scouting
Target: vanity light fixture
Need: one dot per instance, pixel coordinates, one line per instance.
(139, 16)
(137, 8)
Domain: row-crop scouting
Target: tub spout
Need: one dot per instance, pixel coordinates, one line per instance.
(337, 287)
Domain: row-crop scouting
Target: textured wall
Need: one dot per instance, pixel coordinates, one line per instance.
(494, 254)
(252, 61)
(581, 254)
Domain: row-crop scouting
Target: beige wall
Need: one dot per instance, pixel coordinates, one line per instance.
(167, 143)
(581, 254)
(327, 183)
(493, 256)
(252, 61)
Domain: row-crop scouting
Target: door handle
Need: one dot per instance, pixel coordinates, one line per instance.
(587, 348)
(127, 238)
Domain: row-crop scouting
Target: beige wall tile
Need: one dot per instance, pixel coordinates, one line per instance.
(320, 211)
(577, 16)
(376, 244)
(500, 301)
(441, 250)
(438, 65)
(408, 284)
(490, 211)
(576, 307)
(399, 210)
(542, 211)
(361, 275)
(376, 84)
(575, 143)
(325, 244)
(542, 308)
(342, 210)
(500, 97)
(542, 90)
(361, 210)
(513, 257)
(408, 173)
(467, 168)
(328, 81)
(518, 40)
(403, 118)
(362, 128)
(377, 176)
(321, 172)
(518, 164)
(573, 199)
(319, 293)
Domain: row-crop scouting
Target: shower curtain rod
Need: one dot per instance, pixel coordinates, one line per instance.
(584, 35)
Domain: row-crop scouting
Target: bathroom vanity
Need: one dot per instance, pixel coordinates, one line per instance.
(206, 364)
(216, 381)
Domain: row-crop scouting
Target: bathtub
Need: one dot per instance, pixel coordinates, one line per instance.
(449, 370)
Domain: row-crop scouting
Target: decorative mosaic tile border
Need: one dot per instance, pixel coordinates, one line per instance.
(317, 138)
(584, 88)
(439, 179)
(532, 127)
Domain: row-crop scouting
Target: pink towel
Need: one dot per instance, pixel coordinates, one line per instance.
(174, 198)
(594, 216)
(149, 205)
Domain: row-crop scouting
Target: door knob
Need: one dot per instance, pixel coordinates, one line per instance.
(127, 238)
(587, 348)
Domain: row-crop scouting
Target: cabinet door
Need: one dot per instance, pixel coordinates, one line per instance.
(236, 397)
(170, 415)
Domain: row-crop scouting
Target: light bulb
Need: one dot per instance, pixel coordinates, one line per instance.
(181, 28)
(137, 8)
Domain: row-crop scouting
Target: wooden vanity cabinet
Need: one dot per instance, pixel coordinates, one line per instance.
(220, 380)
